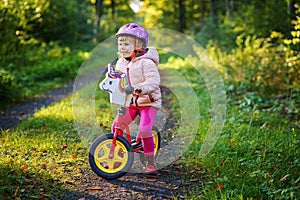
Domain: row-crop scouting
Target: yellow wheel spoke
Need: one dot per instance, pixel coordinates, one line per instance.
(117, 157)
(107, 164)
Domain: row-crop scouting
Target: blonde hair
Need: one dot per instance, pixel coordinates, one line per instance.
(137, 42)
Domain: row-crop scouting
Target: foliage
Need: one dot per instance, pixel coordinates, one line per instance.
(38, 70)
(32, 22)
(264, 65)
(258, 18)
(8, 85)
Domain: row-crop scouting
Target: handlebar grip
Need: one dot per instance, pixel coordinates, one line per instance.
(129, 89)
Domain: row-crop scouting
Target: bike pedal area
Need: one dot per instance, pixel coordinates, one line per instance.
(137, 146)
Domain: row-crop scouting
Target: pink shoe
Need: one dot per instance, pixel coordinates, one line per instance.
(150, 166)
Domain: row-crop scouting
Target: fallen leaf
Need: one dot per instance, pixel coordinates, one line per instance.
(43, 127)
(275, 166)
(194, 180)
(27, 180)
(29, 186)
(283, 179)
(16, 191)
(165, 170)
(151, 180)
(266, 106)
(78, 170)
(74, 155)
(95, 188)
(233, 143)
(24, 167)
(219, 186)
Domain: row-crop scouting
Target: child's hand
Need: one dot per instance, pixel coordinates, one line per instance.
(137, 91)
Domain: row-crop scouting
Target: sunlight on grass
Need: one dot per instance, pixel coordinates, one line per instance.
(41, 150)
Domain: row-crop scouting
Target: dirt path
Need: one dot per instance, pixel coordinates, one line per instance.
(173, 182)
(16, 113)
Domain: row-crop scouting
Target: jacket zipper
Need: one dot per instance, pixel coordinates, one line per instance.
(127, 69)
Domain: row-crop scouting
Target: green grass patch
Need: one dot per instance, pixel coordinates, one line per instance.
(41, 154)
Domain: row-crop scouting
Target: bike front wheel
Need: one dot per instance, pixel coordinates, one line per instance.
(103, 165)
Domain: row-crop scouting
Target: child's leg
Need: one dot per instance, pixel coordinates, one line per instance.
(147, 117)
(125, 119)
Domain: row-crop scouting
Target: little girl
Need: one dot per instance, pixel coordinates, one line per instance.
(139, 63)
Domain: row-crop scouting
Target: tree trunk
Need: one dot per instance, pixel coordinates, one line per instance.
(291, 9)
(228, 10)
(98, 7)
(182, 22)
(202, 6)
(112, 9)
(213, 14)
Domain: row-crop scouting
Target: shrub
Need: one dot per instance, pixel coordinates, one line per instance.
(263, 65)
(8, 85)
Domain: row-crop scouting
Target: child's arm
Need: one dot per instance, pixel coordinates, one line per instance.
(152, 77)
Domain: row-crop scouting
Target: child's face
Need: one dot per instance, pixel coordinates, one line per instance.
(125, 46)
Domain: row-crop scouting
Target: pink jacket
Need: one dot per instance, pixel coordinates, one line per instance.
(142, 72)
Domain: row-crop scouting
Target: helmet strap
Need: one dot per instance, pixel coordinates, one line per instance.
(137, 47)
(134, 53)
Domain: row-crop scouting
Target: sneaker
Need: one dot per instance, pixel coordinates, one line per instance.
(151, 172)
(150, 166)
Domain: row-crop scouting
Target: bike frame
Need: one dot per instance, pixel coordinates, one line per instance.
(117, 131)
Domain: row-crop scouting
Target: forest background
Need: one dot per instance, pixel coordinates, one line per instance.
(256, 45)
(256, 42)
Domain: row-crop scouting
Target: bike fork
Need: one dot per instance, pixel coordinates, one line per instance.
(117, 131)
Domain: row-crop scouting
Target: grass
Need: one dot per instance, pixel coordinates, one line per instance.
(41, 153)
(256, 156)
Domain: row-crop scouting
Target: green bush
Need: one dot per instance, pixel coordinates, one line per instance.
(8, 85)
(32, 22)
(263, 65)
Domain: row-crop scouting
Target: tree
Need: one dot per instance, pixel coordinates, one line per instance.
(182, 21)
(213, 13)
(98, 8)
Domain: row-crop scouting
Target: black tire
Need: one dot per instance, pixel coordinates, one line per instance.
(98, 151)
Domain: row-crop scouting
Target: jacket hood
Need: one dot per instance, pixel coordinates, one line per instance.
(150, 54)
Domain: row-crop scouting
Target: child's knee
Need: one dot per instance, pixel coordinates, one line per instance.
(145, 131)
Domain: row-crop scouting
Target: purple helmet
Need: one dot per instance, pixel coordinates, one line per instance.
(135, 30)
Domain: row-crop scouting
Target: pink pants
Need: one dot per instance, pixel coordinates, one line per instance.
(147, 117)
